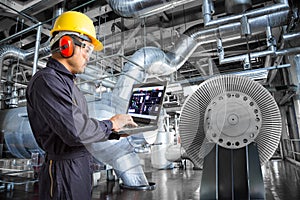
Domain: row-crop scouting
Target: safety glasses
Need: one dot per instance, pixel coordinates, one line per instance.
(85, 46)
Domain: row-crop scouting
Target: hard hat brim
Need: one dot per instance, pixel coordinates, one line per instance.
(98, 46)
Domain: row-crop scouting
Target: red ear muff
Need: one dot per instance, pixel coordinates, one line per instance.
(66, 46)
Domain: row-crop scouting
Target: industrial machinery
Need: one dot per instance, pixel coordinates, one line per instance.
(231, 125)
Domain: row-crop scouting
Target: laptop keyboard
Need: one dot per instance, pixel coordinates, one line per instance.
(131, 126)
(138, 129)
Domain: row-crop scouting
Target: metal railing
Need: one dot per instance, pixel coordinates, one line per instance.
(292, 154)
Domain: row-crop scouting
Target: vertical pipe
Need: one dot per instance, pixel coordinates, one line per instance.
(271, 41)
(206, 11)
(36, 51)
(220, 49)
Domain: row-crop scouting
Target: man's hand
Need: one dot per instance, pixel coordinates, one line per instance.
(120, 120)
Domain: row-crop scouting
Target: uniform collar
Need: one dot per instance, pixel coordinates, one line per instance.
(53, 63)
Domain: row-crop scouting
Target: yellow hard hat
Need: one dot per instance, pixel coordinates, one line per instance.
(77, 22)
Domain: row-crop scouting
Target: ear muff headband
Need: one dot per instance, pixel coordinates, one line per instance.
(66, 46)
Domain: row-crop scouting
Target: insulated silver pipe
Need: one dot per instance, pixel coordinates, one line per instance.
(119, 155)
(271, 43)
(17, 132)
(288, 51)
(207, 11)
(256, 24)
(143, 8)
(8, 51)
(152, 59)
(291, 36)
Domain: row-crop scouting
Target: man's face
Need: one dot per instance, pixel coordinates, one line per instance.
(80, 57)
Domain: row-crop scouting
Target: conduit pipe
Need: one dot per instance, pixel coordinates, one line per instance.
(271, 42)
(142, 8)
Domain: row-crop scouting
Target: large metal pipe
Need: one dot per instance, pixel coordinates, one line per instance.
(18, 136)
(120, 155)
(143, 8)
(8, 51)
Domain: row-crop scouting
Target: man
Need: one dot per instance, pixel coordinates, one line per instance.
(58, 115)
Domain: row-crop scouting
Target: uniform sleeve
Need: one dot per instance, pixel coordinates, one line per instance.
(52, 98)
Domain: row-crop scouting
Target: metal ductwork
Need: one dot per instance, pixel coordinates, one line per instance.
(8, 51)
(120, 155)
(17, 133)
(143, 8)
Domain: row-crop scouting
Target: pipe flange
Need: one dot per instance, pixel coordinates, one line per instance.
(232, 120)
(151, 186)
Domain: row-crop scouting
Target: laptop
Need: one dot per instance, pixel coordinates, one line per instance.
(144, 106)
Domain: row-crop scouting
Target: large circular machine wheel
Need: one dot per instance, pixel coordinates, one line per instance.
(231, 111)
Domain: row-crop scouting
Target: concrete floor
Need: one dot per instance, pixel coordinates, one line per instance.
(281, 179)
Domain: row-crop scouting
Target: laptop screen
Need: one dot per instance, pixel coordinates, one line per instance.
(146, 100)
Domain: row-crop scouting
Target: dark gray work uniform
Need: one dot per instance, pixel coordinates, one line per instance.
(58, 116)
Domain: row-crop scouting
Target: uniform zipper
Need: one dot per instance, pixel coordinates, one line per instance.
(51, 179)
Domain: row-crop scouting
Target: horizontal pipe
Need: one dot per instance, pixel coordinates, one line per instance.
(282, 52)
(203, 78)
(288, 51)
(20, 33)
(291, 36)
(142, 8)
(257, 24)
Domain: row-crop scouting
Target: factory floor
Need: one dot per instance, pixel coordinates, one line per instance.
(281, 180)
